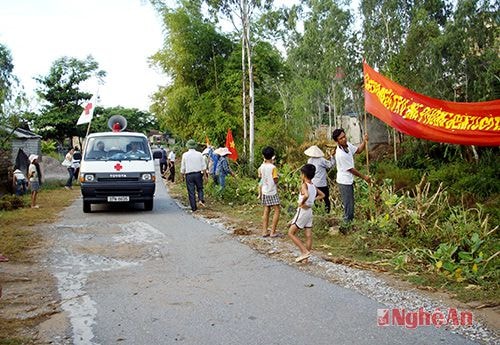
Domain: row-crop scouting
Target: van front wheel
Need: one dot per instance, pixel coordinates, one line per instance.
(86, 207)
(148, 205)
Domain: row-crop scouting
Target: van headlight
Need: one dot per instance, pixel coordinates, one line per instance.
(89, 177)
(147, 177)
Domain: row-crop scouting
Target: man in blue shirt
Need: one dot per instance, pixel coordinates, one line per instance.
(213, 167)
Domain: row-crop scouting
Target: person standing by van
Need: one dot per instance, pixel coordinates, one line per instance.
(68, 162)
(193, 169)
(75, 163)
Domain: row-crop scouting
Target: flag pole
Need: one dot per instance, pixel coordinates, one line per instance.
(88, 129)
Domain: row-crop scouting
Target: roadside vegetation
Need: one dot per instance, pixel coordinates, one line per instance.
(17, 218)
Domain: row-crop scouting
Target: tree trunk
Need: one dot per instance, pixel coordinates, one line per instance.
(251, 108)
(244, 94)
(329, 134)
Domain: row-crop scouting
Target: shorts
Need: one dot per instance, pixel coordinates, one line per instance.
(34, 186)
(270, 200)
(303, 218)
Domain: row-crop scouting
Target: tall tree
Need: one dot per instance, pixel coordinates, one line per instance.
(319, 59)
(62, 96)
(471, 45)
(6, 76)
(193, 56)
(240, 13)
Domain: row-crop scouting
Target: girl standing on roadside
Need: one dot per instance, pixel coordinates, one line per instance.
(33, 176)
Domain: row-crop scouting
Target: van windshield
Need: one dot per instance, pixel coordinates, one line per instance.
(117, 148)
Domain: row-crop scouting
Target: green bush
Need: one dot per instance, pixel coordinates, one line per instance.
(403, 178)
(49, 146)
(11, 202)
(457, 241)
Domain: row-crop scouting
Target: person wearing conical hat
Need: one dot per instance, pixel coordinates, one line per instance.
(320, 180)
(222, 169)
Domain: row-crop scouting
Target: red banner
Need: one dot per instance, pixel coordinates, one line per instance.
(428, 118)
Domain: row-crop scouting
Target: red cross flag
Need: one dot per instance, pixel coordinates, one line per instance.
(87, 113)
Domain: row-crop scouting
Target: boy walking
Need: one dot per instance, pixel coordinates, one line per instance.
(303, 219)
(268, 174)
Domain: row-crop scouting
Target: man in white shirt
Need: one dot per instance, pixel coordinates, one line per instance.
(193, 169)
(344, 157)
(171, 165)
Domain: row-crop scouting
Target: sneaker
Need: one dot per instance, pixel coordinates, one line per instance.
(202, 204)
(68, 188)
(303, 257)
(3, 258)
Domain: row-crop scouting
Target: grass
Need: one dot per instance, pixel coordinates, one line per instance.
(18, 234)
(18, 227)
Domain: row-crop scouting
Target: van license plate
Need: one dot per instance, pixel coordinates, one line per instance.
(118, 198)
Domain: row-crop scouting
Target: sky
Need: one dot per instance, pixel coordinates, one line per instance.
(119, 34)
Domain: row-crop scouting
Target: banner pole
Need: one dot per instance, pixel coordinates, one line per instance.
(366, 148)
(370, 209)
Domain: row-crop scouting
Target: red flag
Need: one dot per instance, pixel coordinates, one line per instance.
(231, 145)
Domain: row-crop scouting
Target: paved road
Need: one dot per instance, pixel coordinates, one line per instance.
(165, 277)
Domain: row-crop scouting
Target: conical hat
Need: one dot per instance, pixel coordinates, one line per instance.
(222, 151)
(314, 152)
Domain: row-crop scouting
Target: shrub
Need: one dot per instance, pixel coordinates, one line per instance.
(49, 146)
(403, 178)
(11, 202)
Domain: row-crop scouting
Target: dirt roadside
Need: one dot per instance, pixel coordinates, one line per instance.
(29, 300)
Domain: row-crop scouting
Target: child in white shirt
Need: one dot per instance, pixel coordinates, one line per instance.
(303, 219)
(269, 192)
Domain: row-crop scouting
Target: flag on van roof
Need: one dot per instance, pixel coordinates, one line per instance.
(87, 113)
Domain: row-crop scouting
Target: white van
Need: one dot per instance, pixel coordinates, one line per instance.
(117, 167)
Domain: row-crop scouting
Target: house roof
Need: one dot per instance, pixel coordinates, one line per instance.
(20, 133)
